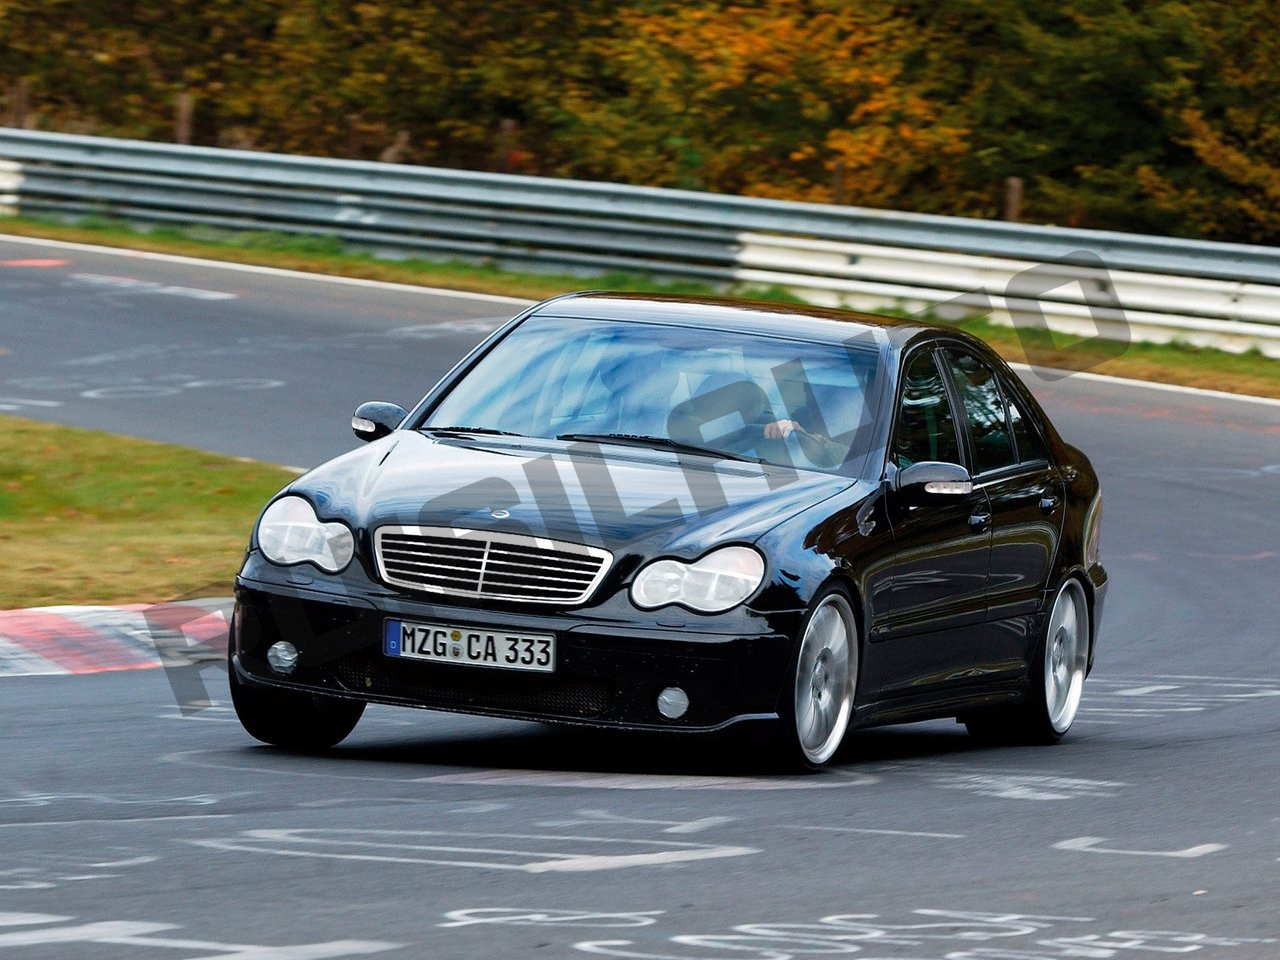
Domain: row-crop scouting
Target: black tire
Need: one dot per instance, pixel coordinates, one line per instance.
(1055, 679)
(817, 703)
(298, 721)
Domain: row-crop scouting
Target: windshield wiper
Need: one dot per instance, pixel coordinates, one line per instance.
(666, 443)
(491, 431)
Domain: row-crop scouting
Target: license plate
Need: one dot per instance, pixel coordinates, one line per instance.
(469, 647)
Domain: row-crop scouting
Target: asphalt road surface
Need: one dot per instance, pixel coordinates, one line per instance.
(130, 830)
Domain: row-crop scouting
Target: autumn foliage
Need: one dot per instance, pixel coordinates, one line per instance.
(1151, 115)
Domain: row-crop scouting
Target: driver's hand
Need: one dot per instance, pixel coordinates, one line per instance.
(780, 429)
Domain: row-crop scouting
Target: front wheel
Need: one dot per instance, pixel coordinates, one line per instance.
(1056, 680)
(286, 718)
(823, 683)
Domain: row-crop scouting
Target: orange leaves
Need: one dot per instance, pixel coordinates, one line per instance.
(768, 99)
(1157, 115)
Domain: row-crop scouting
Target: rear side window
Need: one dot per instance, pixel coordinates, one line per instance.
(984, 407)
(926, 429)
(1024, 434)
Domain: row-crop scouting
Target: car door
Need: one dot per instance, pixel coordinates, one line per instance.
(1025, 493)
(927, 594)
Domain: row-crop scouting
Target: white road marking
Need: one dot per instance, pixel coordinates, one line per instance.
(134, 285)
(1138, 712)
(924, 834)
(517, 917)
(658, 858)
(15, 403)
(1010, 786)
(694, 826)
(25, 919)
(130, 862)
(1144, 691)
(1168, 696)
(45, 799)
(104, 932)
(51, 872)
(955, 934)
(141, 934)
(73, 823)
(175, 714)
(1090, 845)
(1218, 681)
(523, 853)
(669, 826)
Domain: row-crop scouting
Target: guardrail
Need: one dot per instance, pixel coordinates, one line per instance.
(1157, 288)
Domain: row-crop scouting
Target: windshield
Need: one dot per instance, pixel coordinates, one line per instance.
(737, 395)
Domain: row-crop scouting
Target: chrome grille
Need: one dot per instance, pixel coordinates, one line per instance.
(483, 563)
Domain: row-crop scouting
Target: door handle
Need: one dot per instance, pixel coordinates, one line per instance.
(979, 522)
(1048, 501)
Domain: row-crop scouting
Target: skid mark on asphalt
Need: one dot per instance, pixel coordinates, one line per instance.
(526, 853)
(1117, 700)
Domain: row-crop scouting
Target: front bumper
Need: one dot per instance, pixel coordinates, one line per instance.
(607, 675)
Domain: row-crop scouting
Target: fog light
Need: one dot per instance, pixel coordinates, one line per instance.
(283, 657)
(672, 703)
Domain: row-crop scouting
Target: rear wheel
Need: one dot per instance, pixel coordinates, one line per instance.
(1057, 678)
(822, 685)
(286, 718)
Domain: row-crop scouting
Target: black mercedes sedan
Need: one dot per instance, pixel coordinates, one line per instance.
(668, 514)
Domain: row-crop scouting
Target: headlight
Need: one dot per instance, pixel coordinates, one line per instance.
(290, 532)
(720, 580)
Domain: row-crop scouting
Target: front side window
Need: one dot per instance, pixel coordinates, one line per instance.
(926, 429)
(984, 409)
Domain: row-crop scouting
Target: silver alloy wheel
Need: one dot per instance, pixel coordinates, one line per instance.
(1066, 656)
(826, 670)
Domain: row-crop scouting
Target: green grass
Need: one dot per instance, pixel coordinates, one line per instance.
(1250, 373)
(92, 517)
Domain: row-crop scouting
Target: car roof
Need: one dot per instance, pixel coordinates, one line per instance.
(799, 321)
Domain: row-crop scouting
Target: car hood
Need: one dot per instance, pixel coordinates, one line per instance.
(537, 488)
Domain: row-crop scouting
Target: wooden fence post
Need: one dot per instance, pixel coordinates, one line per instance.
(184, 113)
(1012, 208)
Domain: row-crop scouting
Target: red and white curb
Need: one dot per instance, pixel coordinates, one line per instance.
(47, 641)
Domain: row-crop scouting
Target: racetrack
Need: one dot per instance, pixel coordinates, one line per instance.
(131, 830)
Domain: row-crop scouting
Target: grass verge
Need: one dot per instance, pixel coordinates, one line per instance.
(1249, 373)
(88, 517)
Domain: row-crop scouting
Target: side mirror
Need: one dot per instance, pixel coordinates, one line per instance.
(376, 419)
(930, 481)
